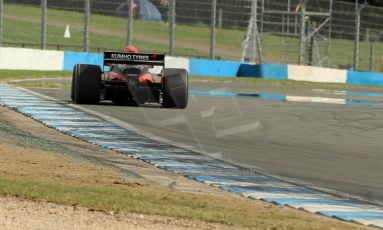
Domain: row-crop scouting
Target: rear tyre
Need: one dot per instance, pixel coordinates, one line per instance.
(175, 87)
(86, 82)
(72, 94)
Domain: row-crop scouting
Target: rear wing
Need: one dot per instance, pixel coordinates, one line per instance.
(154, 59)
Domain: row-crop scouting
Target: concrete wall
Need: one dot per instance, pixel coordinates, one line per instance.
(73, 58)
(33, 59)
(176, 62)
(267, 71)
(316, 74)
(364, 78)
(172, 62)
(30, 59)
(213, 68)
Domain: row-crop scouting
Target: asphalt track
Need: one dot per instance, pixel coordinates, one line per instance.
(337, 147)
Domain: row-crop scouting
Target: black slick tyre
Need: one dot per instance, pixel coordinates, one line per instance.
(86, 82)
(72, 94)
(175, 87)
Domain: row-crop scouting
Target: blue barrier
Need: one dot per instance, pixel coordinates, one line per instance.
(213, 68)
(267, 71)
(73, 58)
(228, 69)
(364, 78)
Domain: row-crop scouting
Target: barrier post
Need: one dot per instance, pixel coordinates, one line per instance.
(130, 22)
(212, 29)
(86, 26)
(255, 29)
(358, 11)
(371, 59)
(1, 21)
(43, 35)
(357, 34)
(303, 31)
(172, 25)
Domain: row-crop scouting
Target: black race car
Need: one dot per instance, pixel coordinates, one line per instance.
(125, 79)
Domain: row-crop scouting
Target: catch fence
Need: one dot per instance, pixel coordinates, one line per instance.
(329, 33)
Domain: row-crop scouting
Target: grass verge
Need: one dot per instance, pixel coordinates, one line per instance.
(9, 75)
(269, 82)
(237, 212)
(29, 177)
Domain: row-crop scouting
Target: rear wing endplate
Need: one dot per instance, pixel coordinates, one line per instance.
(154, 59)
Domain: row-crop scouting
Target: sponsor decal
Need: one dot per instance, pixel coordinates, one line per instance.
(154, 56)
(128, 57)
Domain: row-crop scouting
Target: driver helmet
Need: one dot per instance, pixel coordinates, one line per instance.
(131, 49)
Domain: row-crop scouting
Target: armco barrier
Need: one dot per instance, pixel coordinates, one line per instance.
(213, 68)
(364, 78)
(30, 59)
(316, 74)
(267, 71)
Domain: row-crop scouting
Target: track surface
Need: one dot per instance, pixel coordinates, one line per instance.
(330, 146)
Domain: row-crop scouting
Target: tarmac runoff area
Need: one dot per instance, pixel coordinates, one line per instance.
(332, 146)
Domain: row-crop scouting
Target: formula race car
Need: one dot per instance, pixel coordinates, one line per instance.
(126, 79)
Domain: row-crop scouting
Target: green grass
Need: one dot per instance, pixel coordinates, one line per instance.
(259, 82)
(10, 75)
(47, 84)
(22, 25)
(109, 32)
(161, 201)
(6, 75)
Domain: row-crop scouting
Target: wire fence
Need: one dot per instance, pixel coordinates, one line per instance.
(327, 33)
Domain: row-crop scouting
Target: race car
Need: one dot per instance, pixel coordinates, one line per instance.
(134, 84)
